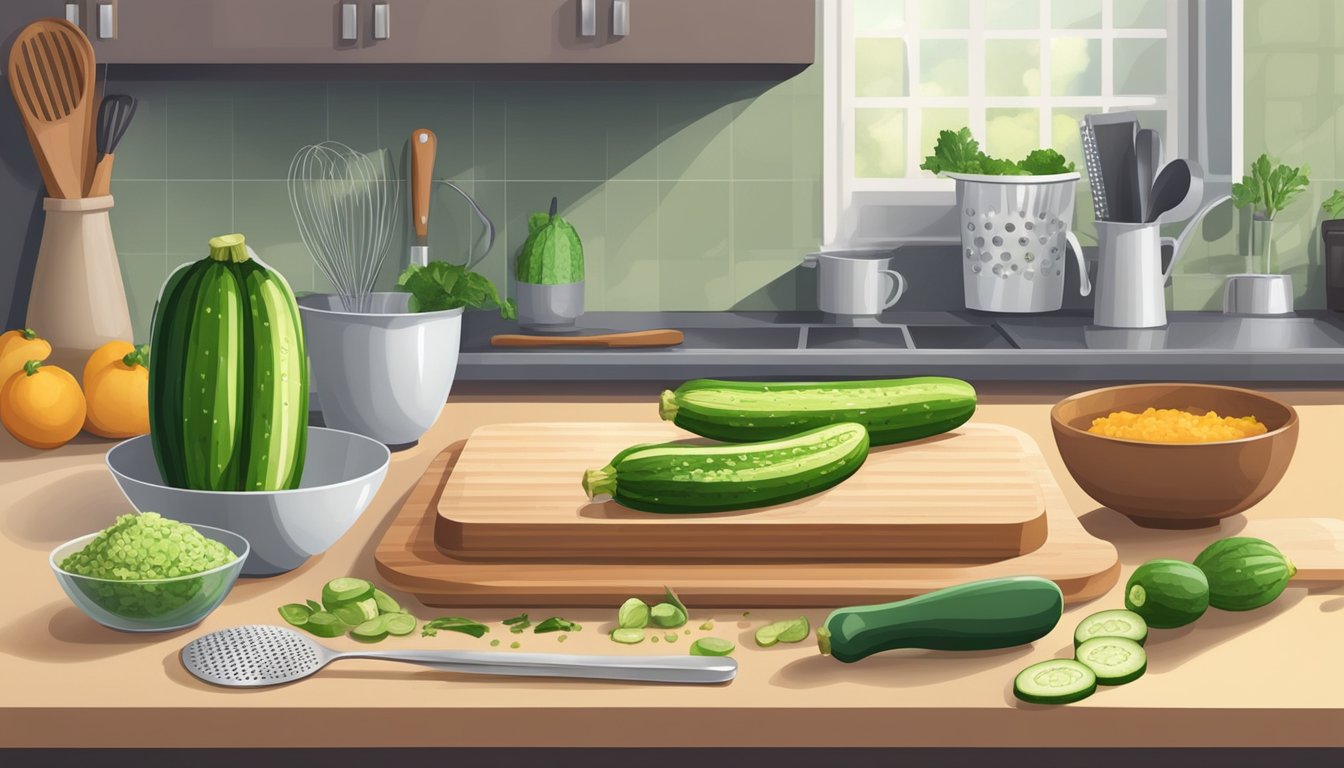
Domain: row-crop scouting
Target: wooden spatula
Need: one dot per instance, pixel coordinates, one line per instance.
(662, 337)
(51, 74)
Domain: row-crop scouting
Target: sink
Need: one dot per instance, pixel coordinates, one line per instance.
(740, 338)
(1183, 332)
(874, 338)
(958, 337)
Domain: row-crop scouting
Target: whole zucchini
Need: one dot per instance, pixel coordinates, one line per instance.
(228, 391)
(1244, 573)
(674, 477)
(893, 410)
(981, 615)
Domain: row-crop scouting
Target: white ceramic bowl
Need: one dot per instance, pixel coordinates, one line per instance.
(341, 473)
(385, 373)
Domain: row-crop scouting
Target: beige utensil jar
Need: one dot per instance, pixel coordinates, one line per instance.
(78, 302)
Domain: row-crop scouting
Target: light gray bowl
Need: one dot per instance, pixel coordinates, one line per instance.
(385, 373)
(341, 473)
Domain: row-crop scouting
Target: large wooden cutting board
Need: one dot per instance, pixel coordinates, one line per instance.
(515, 493)
(407, 557)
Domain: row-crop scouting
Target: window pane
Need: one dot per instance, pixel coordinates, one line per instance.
(1011, 134)
(878, 16)
(1012, 67)
(1140, 14)
(942, 68)
(879, 143)
(1064, 137)
(943, 14)
(879, 67)
(1076, 14)
(1012, 14)
(1157, 120)
(1140, 67)
(931, 121)
(1075, 66)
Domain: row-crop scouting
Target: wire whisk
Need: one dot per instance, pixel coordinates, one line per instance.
(346, 204)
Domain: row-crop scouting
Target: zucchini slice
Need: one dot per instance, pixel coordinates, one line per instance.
(1058, 681)
(1114, 660)
(1116, 623)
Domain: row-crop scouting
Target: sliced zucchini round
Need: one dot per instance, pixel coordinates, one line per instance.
(1058, 681)
(1115, 660)
(1116, 623)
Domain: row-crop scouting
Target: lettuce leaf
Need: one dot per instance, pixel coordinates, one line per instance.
(440, 285)
(959, 152)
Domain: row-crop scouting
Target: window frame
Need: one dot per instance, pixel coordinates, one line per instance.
(863, 213)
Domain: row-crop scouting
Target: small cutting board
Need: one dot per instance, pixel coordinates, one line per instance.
(1082, 565)
(515, 494)
(661, 337)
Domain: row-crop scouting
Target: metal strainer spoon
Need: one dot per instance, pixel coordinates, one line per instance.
(258, 655)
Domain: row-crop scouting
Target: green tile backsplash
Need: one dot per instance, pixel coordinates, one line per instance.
(1294, 79)
(687, 195)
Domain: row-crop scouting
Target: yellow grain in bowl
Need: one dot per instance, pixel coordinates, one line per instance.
(1167, 425)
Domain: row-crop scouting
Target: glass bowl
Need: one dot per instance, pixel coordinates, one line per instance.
(151, 605)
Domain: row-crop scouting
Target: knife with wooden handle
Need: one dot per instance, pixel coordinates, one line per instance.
(663, 337)
(424, 145)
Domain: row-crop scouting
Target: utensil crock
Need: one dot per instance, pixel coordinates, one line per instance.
(78, 301)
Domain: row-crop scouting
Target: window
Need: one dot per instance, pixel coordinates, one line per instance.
(1020, 74)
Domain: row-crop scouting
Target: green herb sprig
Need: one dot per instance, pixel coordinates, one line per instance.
(959, 152)
(440, 285)
(1270, 187)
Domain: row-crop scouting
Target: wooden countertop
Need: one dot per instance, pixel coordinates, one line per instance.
(1265, 678)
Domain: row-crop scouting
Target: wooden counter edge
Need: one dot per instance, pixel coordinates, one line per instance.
(828, 725)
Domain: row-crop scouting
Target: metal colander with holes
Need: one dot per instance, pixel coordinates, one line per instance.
(1015, 234)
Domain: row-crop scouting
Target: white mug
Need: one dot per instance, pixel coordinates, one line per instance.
(857, 284)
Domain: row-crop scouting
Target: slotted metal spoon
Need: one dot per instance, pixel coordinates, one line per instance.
(258, 655)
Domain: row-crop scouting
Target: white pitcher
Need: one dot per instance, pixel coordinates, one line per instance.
(1130, 279)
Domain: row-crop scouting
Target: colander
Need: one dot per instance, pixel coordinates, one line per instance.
(258, 655)
(1015, 231)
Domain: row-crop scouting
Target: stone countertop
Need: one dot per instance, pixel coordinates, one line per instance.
(1308, 347)
(1261, 678)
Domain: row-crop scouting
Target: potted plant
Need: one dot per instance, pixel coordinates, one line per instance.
(548, 276)
(1265, 192)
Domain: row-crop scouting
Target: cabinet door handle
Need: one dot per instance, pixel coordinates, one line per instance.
(587, 18)
(620, 18)
(382, 21)
(107, 21)
(349, 21)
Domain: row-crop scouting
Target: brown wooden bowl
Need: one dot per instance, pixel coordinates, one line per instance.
(1175, 485)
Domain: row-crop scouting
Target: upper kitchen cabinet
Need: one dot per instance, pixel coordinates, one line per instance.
(777, 33)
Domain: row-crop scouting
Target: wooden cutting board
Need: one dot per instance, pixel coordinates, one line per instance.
(1084, 567)
(515, 493)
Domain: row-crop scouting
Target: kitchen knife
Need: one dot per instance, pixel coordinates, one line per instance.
(662, 337)
(423, 147)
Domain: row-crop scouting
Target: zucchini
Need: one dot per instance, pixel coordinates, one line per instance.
(1058, 681)
(1116, 623)
(228, 391)
(1244, 573)
(1114, 660)
(893, 410)
(981, 615)
(1167, 593)
(675, 477)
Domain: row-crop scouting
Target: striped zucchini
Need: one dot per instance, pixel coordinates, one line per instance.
(229, 384)
(675, 477)
(893, 410)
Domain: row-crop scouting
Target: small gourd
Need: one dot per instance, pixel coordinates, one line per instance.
(552, 253)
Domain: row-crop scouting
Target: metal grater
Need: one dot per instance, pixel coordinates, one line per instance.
(1092, 162)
